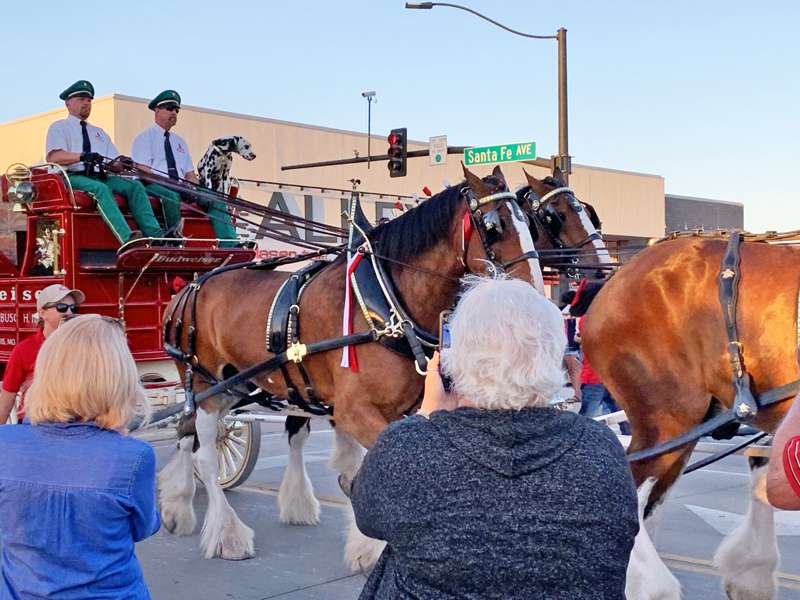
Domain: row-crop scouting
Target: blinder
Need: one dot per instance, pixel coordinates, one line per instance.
(488, 224)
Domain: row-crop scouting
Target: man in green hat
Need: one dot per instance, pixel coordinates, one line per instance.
(166, 153)
(72, 141)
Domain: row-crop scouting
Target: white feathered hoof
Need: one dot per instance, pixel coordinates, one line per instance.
(176, 487)
(297, 505)
(361, 552)
(178, 518)
(736, 591)
(233, 541)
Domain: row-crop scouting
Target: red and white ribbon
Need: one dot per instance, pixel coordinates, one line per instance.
(349, 359)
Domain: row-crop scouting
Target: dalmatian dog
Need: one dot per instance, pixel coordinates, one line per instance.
(214, 167)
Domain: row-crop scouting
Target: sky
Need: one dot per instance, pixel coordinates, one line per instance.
(704, 93)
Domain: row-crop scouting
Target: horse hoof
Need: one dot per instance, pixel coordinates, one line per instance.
(738, 592)
(362, 552)
(178, 522)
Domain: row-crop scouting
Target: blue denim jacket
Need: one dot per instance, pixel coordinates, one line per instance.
(73, 500)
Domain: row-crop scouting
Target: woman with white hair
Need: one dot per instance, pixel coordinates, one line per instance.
(75, 492)
(488, 492)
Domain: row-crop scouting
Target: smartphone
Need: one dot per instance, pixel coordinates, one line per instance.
(444, 342)
(444, 329)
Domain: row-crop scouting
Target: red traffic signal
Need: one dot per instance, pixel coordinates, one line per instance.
(398, 152)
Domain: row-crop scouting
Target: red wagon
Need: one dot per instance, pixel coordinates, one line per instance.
(59, 237)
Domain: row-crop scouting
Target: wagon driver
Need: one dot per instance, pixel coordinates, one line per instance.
(52, 305)
(159, 149)
(77, 146)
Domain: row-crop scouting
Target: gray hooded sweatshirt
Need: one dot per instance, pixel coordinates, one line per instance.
(530, 504)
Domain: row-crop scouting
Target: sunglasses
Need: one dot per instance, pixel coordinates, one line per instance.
(63, 307)
(175, 109)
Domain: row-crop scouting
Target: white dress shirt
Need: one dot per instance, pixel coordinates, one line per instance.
(67, 135)
(148, 150)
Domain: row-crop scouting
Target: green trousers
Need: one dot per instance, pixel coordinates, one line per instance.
(139, 204)
(223, 227)
(170, 203)
(218, 213)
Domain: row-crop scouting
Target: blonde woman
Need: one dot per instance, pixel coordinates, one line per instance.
(53, 303)
(75, 492)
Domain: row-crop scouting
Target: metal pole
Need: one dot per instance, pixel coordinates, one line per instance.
(369, 129)
(564, 162)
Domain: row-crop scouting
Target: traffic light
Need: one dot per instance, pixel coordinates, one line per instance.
(398, 152)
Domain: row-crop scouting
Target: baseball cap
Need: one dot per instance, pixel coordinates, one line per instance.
(56, 292)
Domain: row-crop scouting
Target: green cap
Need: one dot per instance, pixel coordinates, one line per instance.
(166, 97)
(81, 88)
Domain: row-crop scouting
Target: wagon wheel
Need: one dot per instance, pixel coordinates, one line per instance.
(238, 445)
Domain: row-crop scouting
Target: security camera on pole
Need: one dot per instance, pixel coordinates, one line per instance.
(370, 96)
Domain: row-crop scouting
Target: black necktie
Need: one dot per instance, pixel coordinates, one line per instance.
(87, 145)
(171, 168)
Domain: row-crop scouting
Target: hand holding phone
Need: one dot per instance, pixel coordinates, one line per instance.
(435, 397)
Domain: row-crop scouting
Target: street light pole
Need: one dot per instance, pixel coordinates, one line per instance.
(562, 160)
(369, 96)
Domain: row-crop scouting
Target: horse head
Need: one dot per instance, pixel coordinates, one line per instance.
(495, 233)
(562, 223)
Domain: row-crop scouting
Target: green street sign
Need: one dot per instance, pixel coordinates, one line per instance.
(484, 155)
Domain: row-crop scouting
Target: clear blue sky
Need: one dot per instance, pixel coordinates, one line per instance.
(704, 93)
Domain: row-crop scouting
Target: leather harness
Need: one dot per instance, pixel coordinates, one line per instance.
(389, 322)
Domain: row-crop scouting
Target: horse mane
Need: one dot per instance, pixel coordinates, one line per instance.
(422, 227)
(419, 228)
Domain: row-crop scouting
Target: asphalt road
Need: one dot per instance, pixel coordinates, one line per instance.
(305, 563)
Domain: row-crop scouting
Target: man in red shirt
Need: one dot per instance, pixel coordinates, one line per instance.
(783, 476)
(52, 304)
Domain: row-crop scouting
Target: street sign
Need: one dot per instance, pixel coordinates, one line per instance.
(484, 155)
(437, 146)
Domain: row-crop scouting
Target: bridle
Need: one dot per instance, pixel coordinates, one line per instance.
(548, 219)
(489, 226)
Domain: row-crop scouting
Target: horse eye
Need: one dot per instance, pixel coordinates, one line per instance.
(562, 216)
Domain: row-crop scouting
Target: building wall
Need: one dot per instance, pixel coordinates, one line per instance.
(629, 204)
(685, 213)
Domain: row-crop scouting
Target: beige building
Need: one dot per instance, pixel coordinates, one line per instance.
(631, 205)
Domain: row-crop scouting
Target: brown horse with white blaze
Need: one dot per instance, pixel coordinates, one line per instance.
(656, 335)
(425, 252)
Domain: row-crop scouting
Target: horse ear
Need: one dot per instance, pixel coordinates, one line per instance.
(539, 187)
(593, 216)
(499, 175)
(558, 175)
(475, 182)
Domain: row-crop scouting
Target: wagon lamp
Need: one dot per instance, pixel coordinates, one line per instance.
(563, 160)
(20, 188)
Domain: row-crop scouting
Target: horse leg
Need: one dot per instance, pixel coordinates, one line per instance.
(748, 557)
(360, 552)
(296, 500)
(223, 533)
(346, 458)
(648, 578)
(176, 490)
